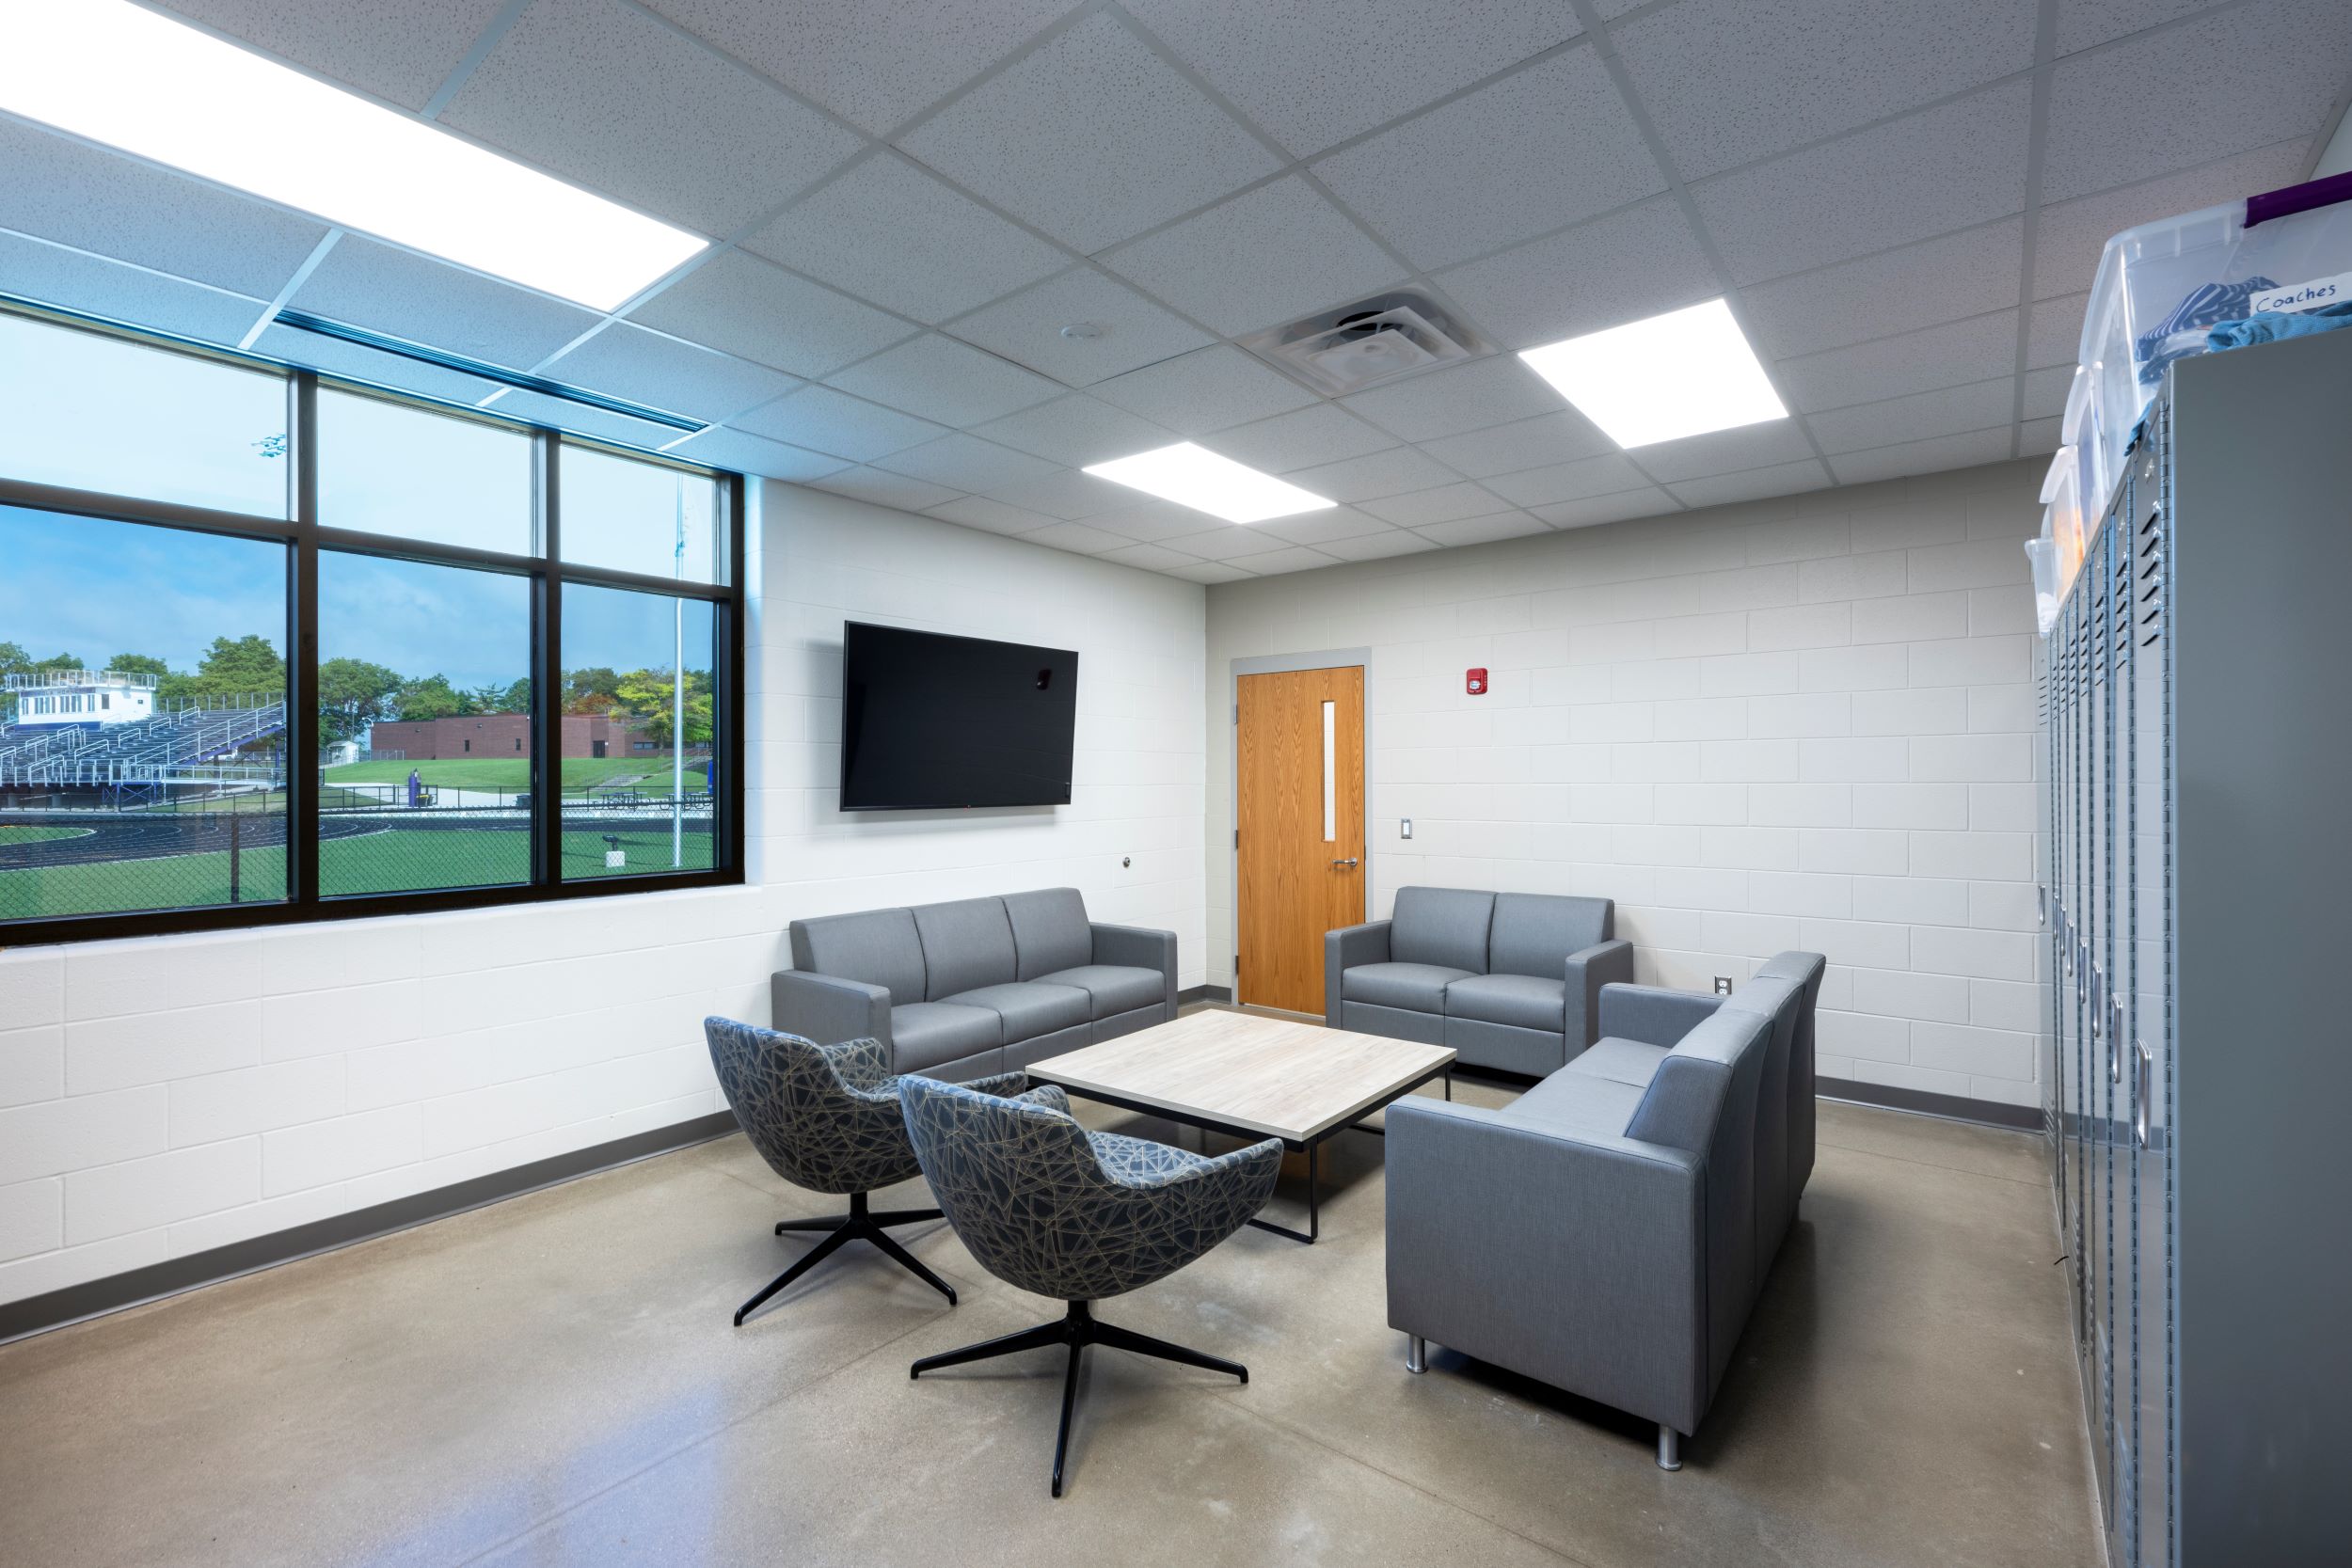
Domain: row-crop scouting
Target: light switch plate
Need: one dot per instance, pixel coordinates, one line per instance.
(1404, 827)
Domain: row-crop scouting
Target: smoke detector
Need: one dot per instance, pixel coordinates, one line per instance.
(1363, 345)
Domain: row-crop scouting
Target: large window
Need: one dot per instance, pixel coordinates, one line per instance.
(275, 649)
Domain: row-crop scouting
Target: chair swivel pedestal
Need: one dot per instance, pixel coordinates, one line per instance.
(861, 1224)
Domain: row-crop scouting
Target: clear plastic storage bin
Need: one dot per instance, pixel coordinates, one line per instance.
(2164, 286)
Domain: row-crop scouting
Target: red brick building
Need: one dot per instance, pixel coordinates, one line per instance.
(506, 735)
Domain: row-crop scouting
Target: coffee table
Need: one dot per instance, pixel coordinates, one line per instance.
(1252, 1077)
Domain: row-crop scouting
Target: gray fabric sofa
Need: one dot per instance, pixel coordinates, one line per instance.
(1609, 1230)
(1509, 980)
(960, 991)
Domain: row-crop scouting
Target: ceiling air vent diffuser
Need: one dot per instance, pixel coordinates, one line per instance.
(1363, 345)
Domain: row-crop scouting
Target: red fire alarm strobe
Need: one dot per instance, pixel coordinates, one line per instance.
(1475, 683)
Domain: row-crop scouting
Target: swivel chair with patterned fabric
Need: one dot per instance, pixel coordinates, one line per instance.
(825, 1118)
(1049, 1207)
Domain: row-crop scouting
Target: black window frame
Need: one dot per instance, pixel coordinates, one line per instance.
(307, 536)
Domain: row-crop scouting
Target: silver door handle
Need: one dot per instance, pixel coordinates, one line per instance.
(1343, 863)
(2141, 1089)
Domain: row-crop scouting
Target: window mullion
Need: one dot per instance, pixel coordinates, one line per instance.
(302, 727)
(546, 666)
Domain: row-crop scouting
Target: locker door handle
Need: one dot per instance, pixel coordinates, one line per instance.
(2144, 1084)
(2115, 1041)
(2042, 904)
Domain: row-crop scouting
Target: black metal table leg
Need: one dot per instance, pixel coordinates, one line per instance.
(1314, 1211)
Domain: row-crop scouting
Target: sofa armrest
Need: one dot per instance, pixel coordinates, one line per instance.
(1608, 963)
(1343, 950)
(829, 1009)
(1653, 1014)
(1574, 1259)
(1139, 947)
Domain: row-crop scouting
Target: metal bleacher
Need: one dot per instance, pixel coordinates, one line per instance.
(194, 743)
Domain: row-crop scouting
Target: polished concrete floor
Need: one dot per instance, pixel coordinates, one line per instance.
(553, 1380)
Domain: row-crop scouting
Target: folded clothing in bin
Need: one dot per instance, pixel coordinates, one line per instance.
(2268, 327)
(2184, 332)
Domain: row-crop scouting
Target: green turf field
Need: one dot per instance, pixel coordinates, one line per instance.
(37, 835)
(390, 862)
(514, 773)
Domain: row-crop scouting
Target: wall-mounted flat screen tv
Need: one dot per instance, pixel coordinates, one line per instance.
(931, 721)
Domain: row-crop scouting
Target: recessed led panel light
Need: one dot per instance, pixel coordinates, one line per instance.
(125, 76)
(1193, 476)
(1683, 373)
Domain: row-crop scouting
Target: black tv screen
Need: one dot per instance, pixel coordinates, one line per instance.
(929, 721)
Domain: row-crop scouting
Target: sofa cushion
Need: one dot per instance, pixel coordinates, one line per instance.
(1028, 1009)
(1574, 1102)
(925, 1034)
(1621, 1061)
(1114, 987)
(965, 944)
(1049, 931)
(1534, 932)
(1416, 986)
(1523, 1001)
(1443, 927)
(877, 946)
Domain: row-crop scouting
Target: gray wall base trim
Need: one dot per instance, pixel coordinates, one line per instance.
(1990, 1113)
(1204, 993)
(137, 1287)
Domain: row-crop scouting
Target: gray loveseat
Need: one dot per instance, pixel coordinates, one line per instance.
(1609, 1230)
(1509, 980)
(980, 986)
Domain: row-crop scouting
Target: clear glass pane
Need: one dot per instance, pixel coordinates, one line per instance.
(1331, 773)
(90, 412)
(388, 467)
(638, 673)
(142, 717)
(425, 726)
(630, 516)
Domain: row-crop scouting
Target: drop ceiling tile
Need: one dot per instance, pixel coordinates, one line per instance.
(962, 462)
(1447, 503)
(742, 304)
(1129, 331)
(1948, 411)
(1730, 81)
(1069, 496)
(1308, 438)
(56, 276)
(1077, 538)
(1489, 392)
(1606, 272)
(1541, 147)
(605, 95)
(1723, 451)
(887, 231)
(1781, 479)
(939, 378)
(1969, 273)
(55, 188)
(995, 516)
(833, 423)
(886, 489)
(1482, 530)
(2045, 391)
(1927, 174)
(1567, 482)
(2037, 437)
(1092, 138)
(1208, 389)
(1312, 72)
(1295, 559)
(1150, 558)
(1150, 523)
(581, 419)
(725, 448)
(1320, 527)
(403, 53)
(650, 368)
(876, 65)
(2070, 236)
(1076, 429)
(1209, 572)
(2241, 79)
(1229, 542)
(1384, 473)
(366, 284)
(1922, 457)
(356, 362)
(1972, 350)
(1378, 546)
(1591, 511)
(2084, 22)
(1262, 259)
(2054, 331)
(1523, 444)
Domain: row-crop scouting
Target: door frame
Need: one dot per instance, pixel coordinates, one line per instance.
(1276, 664)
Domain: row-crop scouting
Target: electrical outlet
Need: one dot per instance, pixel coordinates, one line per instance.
(1723, 985)
(1404, 827)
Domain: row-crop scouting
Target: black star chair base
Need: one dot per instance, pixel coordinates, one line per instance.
(1051, 1207)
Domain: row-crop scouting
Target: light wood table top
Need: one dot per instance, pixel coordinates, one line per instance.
(1278, 1077)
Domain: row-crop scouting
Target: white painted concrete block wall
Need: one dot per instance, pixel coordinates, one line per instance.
(1801, 722)
(165, 1096)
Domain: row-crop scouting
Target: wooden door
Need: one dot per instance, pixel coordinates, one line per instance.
(1300, 745)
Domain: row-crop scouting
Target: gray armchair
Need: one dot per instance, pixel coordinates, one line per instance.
(1509, 980)
(1051, 1207)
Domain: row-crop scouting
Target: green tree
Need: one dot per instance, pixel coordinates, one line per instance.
(516, 698)
(353, 694)
(648, 695)
(245, 666)
(593, 690)
(432, 697)
(14, 660)
(140, 664)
